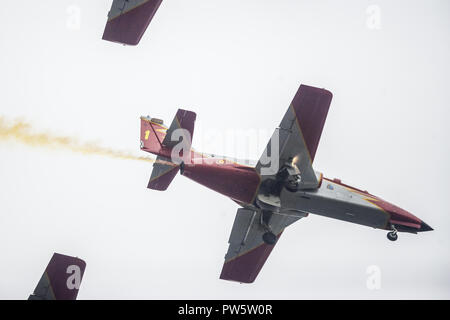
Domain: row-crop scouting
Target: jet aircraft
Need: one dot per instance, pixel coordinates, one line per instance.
(279, 190)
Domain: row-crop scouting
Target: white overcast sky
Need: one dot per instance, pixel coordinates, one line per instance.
(237, 64)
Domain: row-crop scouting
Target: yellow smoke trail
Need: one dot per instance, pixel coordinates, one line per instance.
(23, 132)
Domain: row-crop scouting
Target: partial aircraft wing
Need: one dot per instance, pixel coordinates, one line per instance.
(295, 141)
(61, 279)
(128, 20)
(247, 252)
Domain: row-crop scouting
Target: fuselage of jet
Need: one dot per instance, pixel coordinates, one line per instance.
(333, 199)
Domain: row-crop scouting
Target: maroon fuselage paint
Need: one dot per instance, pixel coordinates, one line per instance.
(238, 182)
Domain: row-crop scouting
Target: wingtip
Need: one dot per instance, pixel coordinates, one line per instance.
(323, 90)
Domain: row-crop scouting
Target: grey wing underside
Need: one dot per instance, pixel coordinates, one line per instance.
(287, 142)
(247, 252)
(294, 142)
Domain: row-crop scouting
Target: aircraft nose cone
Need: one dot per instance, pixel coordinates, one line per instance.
(425, 227)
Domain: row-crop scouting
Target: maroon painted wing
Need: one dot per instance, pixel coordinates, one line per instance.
(311, 108)
(61, 279)
(247, 252)
(295, 142)
(128, 20)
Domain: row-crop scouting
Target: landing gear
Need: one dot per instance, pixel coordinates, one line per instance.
(393, 234)
(269, 238)
(182, 167)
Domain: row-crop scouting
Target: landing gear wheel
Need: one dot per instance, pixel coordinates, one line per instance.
(269, 238)
(392, 236)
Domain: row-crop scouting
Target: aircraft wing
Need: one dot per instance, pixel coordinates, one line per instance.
(128, 20)
(247, 252)
(295, 141)
(61, 279)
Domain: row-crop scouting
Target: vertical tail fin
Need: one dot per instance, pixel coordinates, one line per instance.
(161, 141)
(153, 132)
(61, 279)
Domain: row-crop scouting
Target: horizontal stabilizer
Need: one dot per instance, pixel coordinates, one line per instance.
(162, 174)
(61, 279)
(184, 119)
